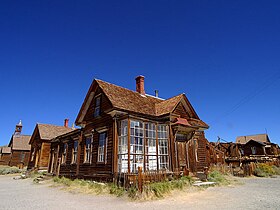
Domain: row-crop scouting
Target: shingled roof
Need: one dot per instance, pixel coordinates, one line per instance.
(259, 137)
(128, 100)
(48, 132)
(6, 150)
(20, 142)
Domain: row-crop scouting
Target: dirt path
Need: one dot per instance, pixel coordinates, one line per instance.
(255, 193)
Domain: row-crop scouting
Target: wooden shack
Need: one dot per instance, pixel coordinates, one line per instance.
(5, 155)
(40, 142)
(122, 130)
(20, 148)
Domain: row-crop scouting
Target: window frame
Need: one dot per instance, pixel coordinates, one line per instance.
(97, 106)
(75, 152)
(88, 158)
(64, 153)
(102, 148)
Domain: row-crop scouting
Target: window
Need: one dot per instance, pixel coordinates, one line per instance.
(144, 146)
(87, 157)
(150, 147)
(136, 145)
(163, 147)
(22, 156)
(97, 106)
(32, 155)
(74, 152)
(123, 148)
(102, 147)
(254, 150)
(64, 153)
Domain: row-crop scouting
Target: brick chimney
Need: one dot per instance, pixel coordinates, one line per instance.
(140, 84)
(66, 121)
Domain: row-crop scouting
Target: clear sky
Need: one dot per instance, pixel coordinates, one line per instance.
(223, 54)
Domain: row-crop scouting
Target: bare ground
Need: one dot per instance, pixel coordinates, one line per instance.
(255, 193)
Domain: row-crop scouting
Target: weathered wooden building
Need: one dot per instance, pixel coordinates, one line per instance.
(122, 130)
(5, 155)
(40, 142)
(20, 148)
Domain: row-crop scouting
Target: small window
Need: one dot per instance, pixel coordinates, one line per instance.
(254, 150)
(22, 156)
(64, 154)
(97, 106)
(75, 151)
(87, 158)
(102, 147)
(32, 155)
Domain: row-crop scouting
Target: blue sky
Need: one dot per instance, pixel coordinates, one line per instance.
(223, 54)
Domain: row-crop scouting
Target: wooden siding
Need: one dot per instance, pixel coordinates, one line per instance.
(19, 158)
(248, 148)
(5, 159)
(181, 111)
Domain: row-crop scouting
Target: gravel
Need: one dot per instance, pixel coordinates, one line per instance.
(255, 193)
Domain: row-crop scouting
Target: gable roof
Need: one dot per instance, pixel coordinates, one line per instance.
(6, 150)
(258, 142)
(20, 142)
(259, 137)
(48, 132)
(128, 100)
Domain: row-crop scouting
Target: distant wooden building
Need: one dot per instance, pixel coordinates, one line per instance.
(20, 148)
(123, 130)
(40, 144)
(5, 155)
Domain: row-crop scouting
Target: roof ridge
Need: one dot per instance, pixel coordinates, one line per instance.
(133, 91)
(116, 85)
(52, 125)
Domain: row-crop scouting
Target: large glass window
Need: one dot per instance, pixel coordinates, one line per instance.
(136, 145)
(150, 146)
(143, 143)
(87, 157)
(74, 152)
(123, 148)
(163, 147)
(102, 147)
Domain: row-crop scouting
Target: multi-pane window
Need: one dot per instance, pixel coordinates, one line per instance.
(75, 151)
(136, 145)
(144, 143)
(150, 146)
(64, 153)
(123, 148)
(87, 156)
(102, 147)
(97, 106)
(163, 147)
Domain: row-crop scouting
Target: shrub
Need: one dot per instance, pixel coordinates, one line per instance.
(218, 177)
(9, 170)
(265, 170)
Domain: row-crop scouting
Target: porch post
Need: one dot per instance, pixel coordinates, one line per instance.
(115, 148)
(128, 144)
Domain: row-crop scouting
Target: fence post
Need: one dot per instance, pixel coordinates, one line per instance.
(140, 179)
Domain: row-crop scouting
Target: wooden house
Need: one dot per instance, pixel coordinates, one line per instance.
(5, 155)
(20, 148)
(122, 130)
(40, 142)
(257, 145)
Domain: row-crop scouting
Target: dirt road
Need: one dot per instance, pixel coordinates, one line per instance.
(255, 193)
